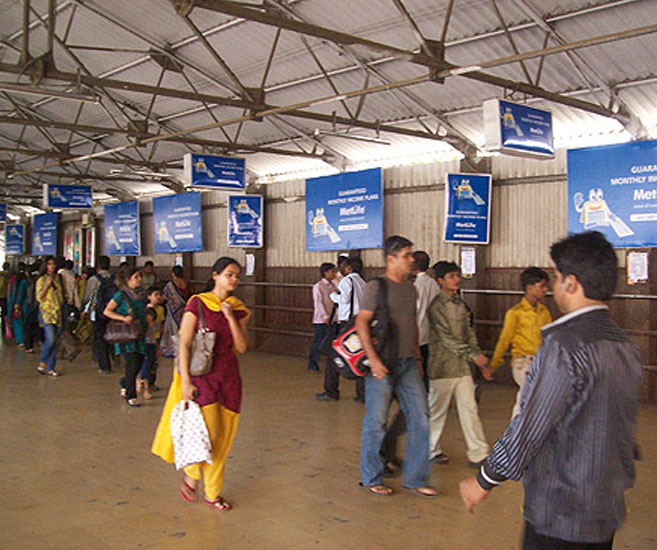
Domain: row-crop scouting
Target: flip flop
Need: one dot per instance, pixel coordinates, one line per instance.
(187, 492)
(419, 491)
(219, 504)
(377, 489)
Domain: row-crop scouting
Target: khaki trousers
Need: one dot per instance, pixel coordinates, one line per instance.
(519, 368)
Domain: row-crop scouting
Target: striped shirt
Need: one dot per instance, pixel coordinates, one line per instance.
(572, 442)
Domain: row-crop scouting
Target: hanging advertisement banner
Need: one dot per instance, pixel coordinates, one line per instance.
(613, 189)
(467, 208)
(3, 212)
(44, 234)
(122, 235)
(213, 171)
(517, 129)
(15, 239)
(345, 211)
(177, 223)
(72, 197)
(245, 221)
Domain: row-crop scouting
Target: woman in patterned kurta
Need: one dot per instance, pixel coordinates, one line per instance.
(50, 295)
(177, 292)
(219, 393)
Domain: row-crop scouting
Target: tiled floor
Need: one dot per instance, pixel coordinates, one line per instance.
(78, 474)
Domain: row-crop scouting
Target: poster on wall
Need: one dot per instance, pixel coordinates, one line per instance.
(122, 236)
(467, 208)
(71, 197)
(245, 223)
(613, 189)
(44, 234)
(3, 212)
(345, 211)
(517, 129)
(213, 171)
(15, 239)
(177, 223)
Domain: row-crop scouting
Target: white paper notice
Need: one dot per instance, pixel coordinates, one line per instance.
(637, 267)
(250, 264)
(468, 261)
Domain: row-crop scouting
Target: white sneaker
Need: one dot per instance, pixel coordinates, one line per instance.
(53, 373)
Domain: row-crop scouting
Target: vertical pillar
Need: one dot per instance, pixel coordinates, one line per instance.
(258, 294)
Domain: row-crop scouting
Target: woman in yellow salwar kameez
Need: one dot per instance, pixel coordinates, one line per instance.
(219, 393)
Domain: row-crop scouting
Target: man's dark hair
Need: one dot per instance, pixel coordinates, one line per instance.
(178, 271)
(592, 259)
(325, 268)
(443, 267)
(149, 262)
(6, 266)
(69, 265)
(342, 258)
(421, 260)
(394, 244)
(531, 276)
(152, 289)
(103, 262)
(356, 264)
(60, 262)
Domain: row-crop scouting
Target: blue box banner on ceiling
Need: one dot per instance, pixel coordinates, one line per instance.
(245, 221)
(122, 232)
(613, 189)
(15, 239)
(518, 129)
(3, 212)
(214, 171)
(67, 196)
(345, 211)
(467, 208)
(44, 234)
(177, 223)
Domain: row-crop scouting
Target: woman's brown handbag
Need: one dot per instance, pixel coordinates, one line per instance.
(117, 332)
(202, 352)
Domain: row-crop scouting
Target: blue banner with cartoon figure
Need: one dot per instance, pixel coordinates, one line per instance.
(467, 208)
(177, 223)
(245, 221)
(122, 234)
(613, 189)
(15, 239)
(345, 211)
(44, 234)
(214, 171)
(67, 196)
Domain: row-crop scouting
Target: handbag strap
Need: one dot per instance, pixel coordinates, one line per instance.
(127, 302)
(201, 316)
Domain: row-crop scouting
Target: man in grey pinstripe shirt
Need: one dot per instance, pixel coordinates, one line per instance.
(572, 443)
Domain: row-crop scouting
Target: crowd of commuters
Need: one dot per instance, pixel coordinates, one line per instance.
(570, 437)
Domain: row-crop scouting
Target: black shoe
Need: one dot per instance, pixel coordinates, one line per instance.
(476, 464)
(359, 399)
(324, 397)
(441, 458)
(132, 402)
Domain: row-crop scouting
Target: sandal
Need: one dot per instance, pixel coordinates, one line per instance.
(219, 504)
(187, 490)
(424, 492)
(378, 489)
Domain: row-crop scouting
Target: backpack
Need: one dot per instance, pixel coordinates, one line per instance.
(103, 295)
(347, 354)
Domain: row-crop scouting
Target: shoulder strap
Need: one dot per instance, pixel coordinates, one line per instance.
(127, 301)
(201, 315)
(382, 295)
(351, 299)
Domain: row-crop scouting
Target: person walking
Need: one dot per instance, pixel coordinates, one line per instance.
(16, 300)
(322, 314)
(176, 293)
(69, 346)
(572, 441)
(126, 307)
(99, 290)
(394, 369)
(5, 274)
(452, 346)
(219, 393)
(31, 310)
(50, 296)
(148, 276)
(522, 328)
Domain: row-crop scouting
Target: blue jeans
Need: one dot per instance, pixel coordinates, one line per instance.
(49, 350)
(149, 367)
(317, 345)
(405, 381)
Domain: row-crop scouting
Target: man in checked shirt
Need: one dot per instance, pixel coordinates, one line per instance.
(572, 441)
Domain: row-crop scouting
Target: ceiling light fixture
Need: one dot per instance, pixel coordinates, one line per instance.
(144, 173)
(34, 90)
(355, 137)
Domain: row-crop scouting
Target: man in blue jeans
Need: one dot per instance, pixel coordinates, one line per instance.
(394, 369)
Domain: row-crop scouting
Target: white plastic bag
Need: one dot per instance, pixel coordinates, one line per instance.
(191, 441)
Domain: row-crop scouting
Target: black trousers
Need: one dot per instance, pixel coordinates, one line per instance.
(3, 307)
(101, 347)
(133, 362)
(332, 383)
(31, 332)
(535, 541)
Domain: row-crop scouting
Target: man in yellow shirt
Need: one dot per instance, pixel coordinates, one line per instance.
(522, 328)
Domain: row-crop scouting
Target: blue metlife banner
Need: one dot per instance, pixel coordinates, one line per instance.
(345, 211)
(122, 234)
(613, 189)
(44, 234)
(3, 212)
(214, 171)
(245, 221)
(518, 129)
(15, 239)
(177, 223)
(467, 208)
(67, 196)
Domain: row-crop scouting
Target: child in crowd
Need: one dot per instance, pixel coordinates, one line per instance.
(154, 320)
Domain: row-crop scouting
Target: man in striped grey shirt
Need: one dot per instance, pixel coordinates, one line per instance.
(572, 443)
